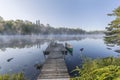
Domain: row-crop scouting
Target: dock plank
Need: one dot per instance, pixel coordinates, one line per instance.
(54, 67)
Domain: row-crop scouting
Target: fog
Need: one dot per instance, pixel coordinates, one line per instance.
(7, 38)
(21, 41)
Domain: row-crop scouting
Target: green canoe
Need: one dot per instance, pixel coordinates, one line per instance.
(69, 47)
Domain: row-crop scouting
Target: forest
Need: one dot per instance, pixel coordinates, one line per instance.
(21, 27)
(12, 27)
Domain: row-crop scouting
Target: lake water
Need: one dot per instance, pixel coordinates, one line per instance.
(27, 51)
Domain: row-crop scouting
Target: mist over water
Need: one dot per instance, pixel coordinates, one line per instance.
(22, 41)
(7, 38)
(27, 51)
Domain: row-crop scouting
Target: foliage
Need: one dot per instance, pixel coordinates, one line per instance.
(27, 27)
(99, 69)
(19, 76)
(96, 32)
(113, 31)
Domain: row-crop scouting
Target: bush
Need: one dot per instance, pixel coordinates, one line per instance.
(99, 69)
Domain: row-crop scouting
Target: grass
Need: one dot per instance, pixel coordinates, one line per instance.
(19, 76)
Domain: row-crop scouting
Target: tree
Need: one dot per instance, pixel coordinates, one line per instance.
(113, 31)
(27, 27)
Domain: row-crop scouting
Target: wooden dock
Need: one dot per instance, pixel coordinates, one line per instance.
(54, 67)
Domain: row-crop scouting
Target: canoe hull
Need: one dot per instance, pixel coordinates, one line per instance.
(69, 47)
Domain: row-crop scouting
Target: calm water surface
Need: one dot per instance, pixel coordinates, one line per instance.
(27, 51)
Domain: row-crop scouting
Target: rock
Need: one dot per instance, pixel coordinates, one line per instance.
(38, 66)
(109, 48)
(8, 60)
(118, 51)
(81, 49)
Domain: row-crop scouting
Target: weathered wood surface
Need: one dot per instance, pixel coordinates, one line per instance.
(55, 47)
(54, 67)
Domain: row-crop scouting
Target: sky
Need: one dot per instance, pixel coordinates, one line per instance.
(85, 14)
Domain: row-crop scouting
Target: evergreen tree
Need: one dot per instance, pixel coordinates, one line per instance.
(113, 31)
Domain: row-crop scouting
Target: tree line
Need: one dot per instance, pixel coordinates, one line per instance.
(12, 27)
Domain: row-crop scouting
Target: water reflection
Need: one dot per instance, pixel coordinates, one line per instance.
(22, 44)
(25, 53)
(30, 41)
(89, 47)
